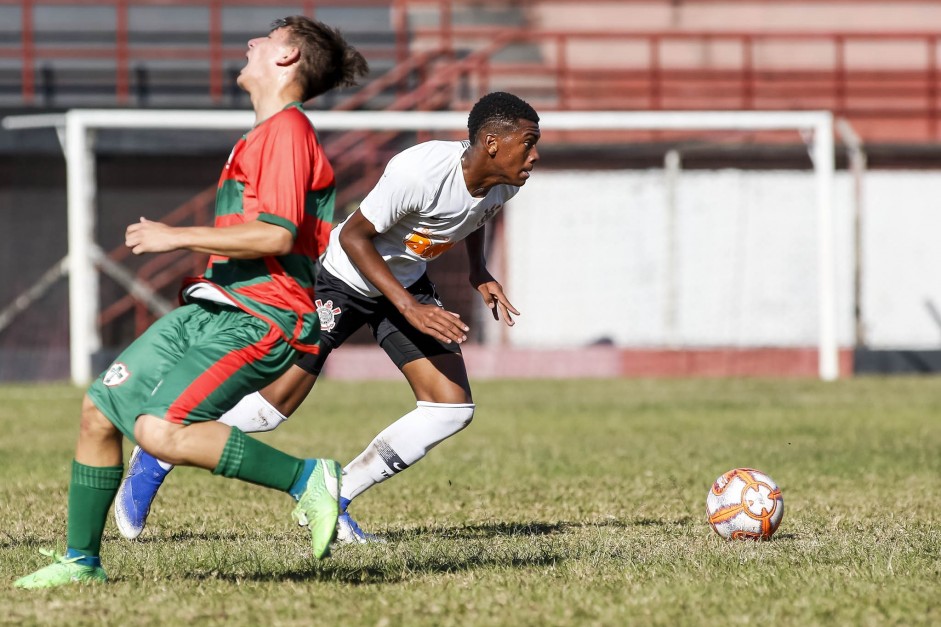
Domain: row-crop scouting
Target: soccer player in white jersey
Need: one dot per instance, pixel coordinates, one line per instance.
(430, 197)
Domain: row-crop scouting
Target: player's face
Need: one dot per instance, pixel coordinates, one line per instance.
(516, 152)
(263, 54)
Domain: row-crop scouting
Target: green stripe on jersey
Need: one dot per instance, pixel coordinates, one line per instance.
(279, 221)
(239, 273)
(299, 267)
(229, 197)
(320, 202)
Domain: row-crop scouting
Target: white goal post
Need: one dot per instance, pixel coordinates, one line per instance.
(76, 129)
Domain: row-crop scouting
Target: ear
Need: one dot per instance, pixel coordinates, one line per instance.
(291, 56)
(492, 143)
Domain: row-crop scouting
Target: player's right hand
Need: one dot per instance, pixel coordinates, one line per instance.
(441, 324)
(147, 236)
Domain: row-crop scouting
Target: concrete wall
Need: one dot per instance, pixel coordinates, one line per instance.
(595, 256)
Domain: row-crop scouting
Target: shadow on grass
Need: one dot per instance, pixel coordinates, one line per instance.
(409, 553)
(525, 529)
(412, 553)
(455, 532)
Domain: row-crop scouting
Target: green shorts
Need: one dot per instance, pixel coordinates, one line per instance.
(191, 365)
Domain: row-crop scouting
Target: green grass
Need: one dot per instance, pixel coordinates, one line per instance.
(565, 503)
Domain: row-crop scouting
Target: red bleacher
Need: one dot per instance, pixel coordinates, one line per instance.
(875, 63)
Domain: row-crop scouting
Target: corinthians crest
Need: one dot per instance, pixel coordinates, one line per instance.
(327, 314)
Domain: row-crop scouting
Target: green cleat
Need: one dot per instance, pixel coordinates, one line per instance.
(61, 572)
(318, 507)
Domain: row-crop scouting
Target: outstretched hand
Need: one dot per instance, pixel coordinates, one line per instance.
(149, 237)
(492, 293)
(441, 324)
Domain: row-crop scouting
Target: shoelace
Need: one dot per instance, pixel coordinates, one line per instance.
(59, 558)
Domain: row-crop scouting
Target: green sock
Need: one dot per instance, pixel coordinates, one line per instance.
(250, 460)
(91, 493)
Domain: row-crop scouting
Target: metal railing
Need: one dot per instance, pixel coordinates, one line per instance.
(121, 49)
(611, 68)
(715, 70)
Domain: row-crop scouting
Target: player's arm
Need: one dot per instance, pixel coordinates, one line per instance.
(240, 241)
(356, 238)
(482, 281)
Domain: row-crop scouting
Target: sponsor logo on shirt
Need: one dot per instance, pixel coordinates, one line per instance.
(421, 243)
(489, 213)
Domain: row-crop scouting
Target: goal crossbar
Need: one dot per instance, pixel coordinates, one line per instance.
(76, 129)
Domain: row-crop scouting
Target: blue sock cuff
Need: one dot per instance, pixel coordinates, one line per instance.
(86, 560)
(344, 503)
(300, 484)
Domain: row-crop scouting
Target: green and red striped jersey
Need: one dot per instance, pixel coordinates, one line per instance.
(277, 173)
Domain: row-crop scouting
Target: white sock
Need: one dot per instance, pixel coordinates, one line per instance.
(403, 443)
(252, 414)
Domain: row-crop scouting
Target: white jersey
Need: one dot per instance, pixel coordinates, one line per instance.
(421, 208)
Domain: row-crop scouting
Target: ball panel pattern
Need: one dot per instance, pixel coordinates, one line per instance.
(745, 503)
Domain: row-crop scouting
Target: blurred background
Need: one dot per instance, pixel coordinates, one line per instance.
(630, 253)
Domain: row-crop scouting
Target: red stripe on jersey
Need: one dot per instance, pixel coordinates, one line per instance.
(281, 291)
(217, 374)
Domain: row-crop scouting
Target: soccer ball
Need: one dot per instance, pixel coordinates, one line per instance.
(745, 504)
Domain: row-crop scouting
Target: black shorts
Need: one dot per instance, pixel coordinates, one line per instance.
(343, 312)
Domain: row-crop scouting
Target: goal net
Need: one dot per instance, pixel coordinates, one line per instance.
(666, 263)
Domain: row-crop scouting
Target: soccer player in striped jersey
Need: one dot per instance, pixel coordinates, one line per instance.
(429, 198)
(242, 324)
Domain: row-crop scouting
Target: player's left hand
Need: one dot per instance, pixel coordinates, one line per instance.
(492, 293)
(150, 237)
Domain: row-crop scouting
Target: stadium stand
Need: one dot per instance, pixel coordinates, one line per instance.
(870, 61)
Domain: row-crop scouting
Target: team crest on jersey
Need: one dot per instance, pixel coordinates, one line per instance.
(327, 314)
(116, 375)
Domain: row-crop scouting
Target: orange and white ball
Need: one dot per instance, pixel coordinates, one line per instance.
(745, 504)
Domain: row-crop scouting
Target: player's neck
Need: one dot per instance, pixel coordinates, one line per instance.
(270, 102)
(476, 178)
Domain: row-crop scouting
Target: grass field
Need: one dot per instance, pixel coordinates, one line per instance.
(564, 503)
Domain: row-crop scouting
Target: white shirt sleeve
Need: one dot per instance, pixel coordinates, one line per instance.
(403, 189)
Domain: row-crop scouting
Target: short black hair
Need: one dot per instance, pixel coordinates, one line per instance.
(327, 60)
(499, 109)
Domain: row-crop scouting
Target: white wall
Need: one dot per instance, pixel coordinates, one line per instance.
(902, 263)
(589, 258)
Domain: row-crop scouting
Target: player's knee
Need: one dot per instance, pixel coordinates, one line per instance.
(455, 416)
(94, 424)
(156, 436)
